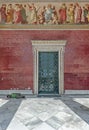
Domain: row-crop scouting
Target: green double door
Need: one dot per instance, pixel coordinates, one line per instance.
(48, 77)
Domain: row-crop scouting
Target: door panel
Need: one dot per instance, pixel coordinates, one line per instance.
(48, 73)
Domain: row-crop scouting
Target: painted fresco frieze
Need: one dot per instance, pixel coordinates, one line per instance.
(44, 13)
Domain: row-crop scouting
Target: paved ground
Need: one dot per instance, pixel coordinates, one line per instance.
(40, 113)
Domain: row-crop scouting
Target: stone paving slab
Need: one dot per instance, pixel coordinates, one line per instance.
(58, 113)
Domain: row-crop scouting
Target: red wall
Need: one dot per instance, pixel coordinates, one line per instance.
(16, 57)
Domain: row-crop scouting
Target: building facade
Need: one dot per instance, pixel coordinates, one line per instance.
(51, 57)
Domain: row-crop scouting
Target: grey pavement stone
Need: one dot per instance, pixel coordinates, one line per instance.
(55, 122)
(0, 127)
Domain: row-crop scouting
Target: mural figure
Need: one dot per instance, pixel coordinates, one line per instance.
(85, 14)
(78, 13)
(88, 17)
(48, 13)
(17, 14)
(62, 13)
(3, 13)
(10, 14)
(23, 14)
(41, 16)
(70, 14)
(54, 16)
(32, 18)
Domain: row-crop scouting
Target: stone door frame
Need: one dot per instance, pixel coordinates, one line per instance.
(49, 46)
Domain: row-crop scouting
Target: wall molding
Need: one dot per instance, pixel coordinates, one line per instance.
(3, 1)
(25, 92)
(76, 92)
